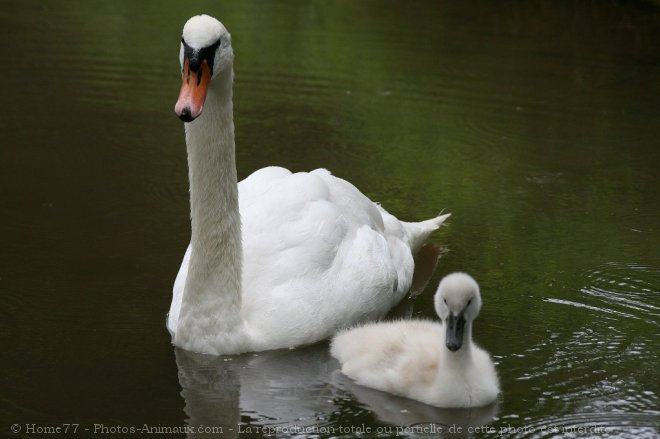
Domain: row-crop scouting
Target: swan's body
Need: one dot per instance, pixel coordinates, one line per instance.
(305, 255)
(434, 363)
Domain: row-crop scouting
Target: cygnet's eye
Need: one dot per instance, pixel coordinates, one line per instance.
(445, 301)
(469, 302)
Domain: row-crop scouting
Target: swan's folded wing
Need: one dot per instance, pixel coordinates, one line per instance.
(177, 293)
(316, 244)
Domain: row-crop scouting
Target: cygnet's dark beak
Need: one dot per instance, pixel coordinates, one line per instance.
(455, 326)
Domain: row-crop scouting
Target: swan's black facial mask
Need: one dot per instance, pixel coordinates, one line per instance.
(195, 57)
(197, 71)
(455, 326)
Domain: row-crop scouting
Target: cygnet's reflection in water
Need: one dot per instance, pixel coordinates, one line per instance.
(285, 392)
(415, 418)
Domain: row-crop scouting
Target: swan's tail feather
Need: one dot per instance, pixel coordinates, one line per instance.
(419, 232)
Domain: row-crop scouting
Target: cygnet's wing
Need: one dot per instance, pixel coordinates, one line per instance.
(399, 357)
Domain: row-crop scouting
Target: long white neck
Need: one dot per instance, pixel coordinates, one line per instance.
(211, 308)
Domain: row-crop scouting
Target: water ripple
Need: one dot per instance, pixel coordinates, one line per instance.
(592, 308)
(641, 221)
(627, 289)
(595, 375)
(618, 424)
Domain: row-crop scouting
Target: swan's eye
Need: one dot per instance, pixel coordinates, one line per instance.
(445, 301)
(469, 302)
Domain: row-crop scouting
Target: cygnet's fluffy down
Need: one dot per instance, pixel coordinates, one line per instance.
(435, 363)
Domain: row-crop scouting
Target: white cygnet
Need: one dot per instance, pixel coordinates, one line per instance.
(435, 363)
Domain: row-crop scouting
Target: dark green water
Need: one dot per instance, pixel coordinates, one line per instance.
(534, 123)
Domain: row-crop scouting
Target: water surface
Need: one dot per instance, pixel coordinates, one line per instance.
(534, 123)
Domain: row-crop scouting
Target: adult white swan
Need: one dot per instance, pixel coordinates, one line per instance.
(305, 255)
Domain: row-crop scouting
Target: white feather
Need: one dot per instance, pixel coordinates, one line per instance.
(409, 358)
(304, 255)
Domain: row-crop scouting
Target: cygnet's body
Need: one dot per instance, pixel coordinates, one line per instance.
(435, 363)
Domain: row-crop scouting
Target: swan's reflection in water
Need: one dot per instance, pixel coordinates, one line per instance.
(297, 392)
(301, 391)
(269, 391)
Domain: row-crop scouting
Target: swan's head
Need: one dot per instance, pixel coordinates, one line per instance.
(205, 52)
(457, 302)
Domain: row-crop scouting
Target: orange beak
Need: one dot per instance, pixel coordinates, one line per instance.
(193, 92)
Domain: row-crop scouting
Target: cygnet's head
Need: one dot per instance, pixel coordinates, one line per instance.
(457, 302)
(205, 52)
